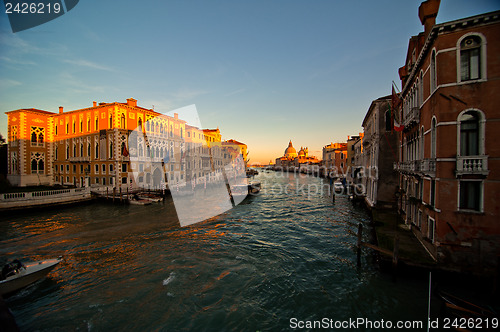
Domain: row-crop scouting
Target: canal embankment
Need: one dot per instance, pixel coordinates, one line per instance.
(46, 198)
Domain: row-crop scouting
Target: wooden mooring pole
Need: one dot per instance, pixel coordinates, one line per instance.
(360, 236)
(395, 255)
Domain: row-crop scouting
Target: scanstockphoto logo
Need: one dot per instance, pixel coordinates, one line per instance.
(25, 15)
(205, 177)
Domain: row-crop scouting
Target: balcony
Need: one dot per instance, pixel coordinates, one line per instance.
(476, 165)
(79, 159)
(412, 117)
(410, 166)
(426, 166)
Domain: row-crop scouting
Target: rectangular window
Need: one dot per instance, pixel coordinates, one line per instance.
(431, 227)
(67, 169)
(470, 195)
(469, 64)
(103, 168)
(124, 168)
(96, 169)
(124, 180)
(433, 193)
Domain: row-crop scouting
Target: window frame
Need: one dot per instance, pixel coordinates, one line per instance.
(482, 58)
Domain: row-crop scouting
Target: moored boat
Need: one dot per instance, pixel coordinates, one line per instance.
(135, 200)
(17, 275)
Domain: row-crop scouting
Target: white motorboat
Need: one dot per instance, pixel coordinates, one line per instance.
(17, 275)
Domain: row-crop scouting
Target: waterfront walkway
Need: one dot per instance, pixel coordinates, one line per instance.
(410, 251)
(24, 200)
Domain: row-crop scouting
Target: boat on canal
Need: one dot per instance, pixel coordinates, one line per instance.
(136, 200)
(16, 275)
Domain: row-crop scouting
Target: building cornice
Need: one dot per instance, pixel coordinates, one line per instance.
(447, 27)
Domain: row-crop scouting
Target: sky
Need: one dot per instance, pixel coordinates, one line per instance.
(264, 71)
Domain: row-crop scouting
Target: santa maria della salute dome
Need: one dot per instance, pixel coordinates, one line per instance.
(292, 158)
(290, 151)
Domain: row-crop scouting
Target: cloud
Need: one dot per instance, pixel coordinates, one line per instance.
(185, 94)
(89, 64)
(235, 92)
(16, 61)
(8, 83)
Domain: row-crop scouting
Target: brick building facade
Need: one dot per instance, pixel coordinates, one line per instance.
(450, 160)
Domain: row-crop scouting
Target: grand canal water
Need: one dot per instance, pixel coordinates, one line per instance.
(286, 253)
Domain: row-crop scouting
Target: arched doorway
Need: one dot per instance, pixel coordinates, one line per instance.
(156, 178)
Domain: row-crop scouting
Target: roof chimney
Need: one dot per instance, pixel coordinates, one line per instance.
(132, 102)
(94, 104)
(427, 13)
(176, 115)
(60, 109)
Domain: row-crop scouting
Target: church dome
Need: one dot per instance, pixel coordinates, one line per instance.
(290, 151)
(302, 153)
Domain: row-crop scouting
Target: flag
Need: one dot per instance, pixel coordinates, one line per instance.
(395, 100)
(397, 126)
(124, 151)
(395, 103)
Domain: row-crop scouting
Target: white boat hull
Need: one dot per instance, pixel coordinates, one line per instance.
(32, 272)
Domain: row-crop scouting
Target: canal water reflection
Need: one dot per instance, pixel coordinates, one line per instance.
(279, 255)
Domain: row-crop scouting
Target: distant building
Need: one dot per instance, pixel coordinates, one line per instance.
(450, 160)
(380, 152)
(243, 148)
(293, 160)
(351, 142)
(335, 159)
(91, 147)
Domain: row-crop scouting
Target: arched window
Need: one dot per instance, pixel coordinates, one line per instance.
(140, 124)
(433, 72)
(422, 149)
(74, 150)
(88, 149)
(41, 165)
(471, 133)
(421, 89)
(33, 137)
(67, 152)
(433, 138)
(34, 166)
(388, 121)
(111, 150)
(111, 122)
(182, 134)
(97, 150)
(81, 149)
(122, 120)
(96, 123)
(470, 58)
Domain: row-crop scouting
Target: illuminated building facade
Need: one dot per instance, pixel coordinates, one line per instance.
(91, 146)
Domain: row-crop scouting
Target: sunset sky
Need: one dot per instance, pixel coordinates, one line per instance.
(264, 72)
